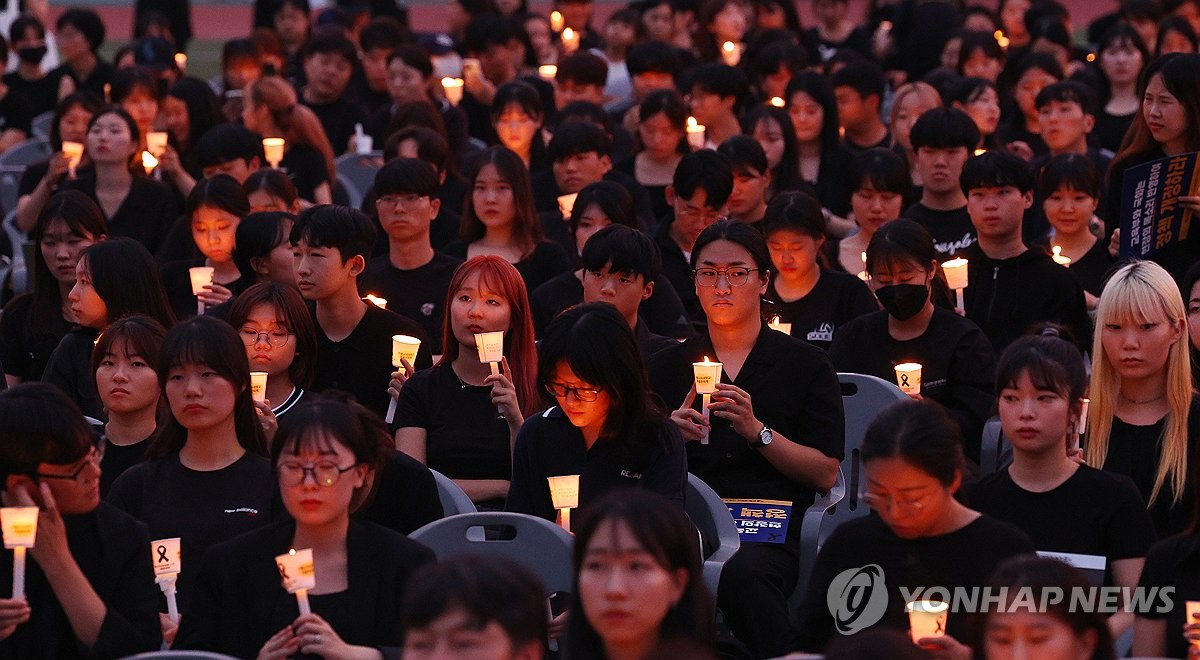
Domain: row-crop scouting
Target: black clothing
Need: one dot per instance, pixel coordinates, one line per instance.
(24, 349)
(16, 114)
(1110, 129)
(41, 94)
(677, 270)
(1173, 562)
(361, 363)
(117, 459)
(146, 213)
(240, 602)
(550, 445)
(70, 369)
(418, 294)
(833, 181)
(952, 230)
(540, 266)
(305, 166)
(1005, 297)
(546, 193)
(338, 119)
(100, 76)
(834, 300)
(1091, 268)
(662, 311)
(406, 496)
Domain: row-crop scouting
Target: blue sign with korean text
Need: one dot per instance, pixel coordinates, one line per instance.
(760, 521)
(1151, 216)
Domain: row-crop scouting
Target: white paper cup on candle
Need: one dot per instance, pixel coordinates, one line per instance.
(273, 150)
(557, 22)
(570, 40)
(156, 142)
(201, 276)
(927, 618)
(956, 273)
(453, 88)
(74, 153)
(19, 527)
(258, 385)
(381, 303)
(149, 162)
(731, 53)
(490, 346)
(297, 574)
(404, 347)
(708, 374)
(695, 133)
(168, 564)
(548, 72)
(564, 495)
(908, 377)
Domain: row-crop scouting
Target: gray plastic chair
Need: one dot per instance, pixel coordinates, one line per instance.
(718, 534)
(358, 173)
(26, 152)
(995, 453)
(454, 500)
(863, 397)
(40, 124)
(535, 543)
(179, 655)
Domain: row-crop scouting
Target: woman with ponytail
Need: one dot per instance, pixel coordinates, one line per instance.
(272, 110)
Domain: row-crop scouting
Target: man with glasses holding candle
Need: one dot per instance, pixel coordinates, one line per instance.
(89, 590)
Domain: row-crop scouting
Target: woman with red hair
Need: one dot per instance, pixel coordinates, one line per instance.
(457, 417)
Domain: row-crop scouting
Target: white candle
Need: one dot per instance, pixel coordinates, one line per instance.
(548, 72)
(695, 133)
(707, 374)
(731, 53)
(908, 377)
(296, 571)
(181, 61)
(557, 22)
(149, 162)
(201, 276)
(363, 143)
(956, 277)
(453, 87)
(775, 324)
(777, 101)
(156, 142)
(1081, 423)
(258, 386)
(1058, 257)
(927, 618)
(19, 527)
(74, 153)
(570, 40)
(404, 347)
(273, 150)
(564, 495)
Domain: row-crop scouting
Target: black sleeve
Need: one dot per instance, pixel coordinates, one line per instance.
(12, 337)
(821, 401)
(126, 492)
(815, 624)
(971, 372)
(407, 496)
(668, 475)
(17, 115)
(522, 497)
(1131, 532)
(131, 622)
(860, 300)
(1157, 573)
(663, 311)
(200, 629)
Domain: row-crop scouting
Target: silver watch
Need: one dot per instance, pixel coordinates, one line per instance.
(765, 436)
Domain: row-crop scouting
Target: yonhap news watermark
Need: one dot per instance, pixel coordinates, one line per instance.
(859, 597)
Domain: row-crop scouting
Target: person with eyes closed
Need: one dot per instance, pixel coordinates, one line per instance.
(775, 430)
(913, 466)
(457, 418)
(326, 455)
(1144, 418)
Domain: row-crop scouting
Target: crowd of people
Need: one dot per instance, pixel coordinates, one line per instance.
(684, 182)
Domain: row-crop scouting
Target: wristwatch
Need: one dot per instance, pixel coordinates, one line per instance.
(765, 436)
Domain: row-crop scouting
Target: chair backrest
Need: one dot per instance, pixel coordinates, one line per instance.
(359, 171)
(995, 452)
(537, 544)
(26, 152)
(354, 196)
(718, 534)
(454, 500)
(179, 655)
(41, 124)
(10, 183)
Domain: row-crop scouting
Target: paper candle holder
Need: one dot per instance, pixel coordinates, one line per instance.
(166, 556)
(200, 276)
(564, 491)
(296, 570)
(381, 303)
(927, 618)
(956, 273)
(404, 347)
(74, 153)
(695, 133)
(776, 324)
(273, 150)
(156, 142)
(258, 386)
(548, 72)
(453, 88)
(908, 377)
(707, 374)
(566, 204)
(490, 346)
(19, 526)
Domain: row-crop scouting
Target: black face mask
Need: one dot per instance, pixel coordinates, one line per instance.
(903, 301)
(32, 54)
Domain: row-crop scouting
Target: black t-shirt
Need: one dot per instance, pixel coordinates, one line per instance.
(201, 508)
(835, 299)
(1110, 129)
(146, 213)
(42, 94)
(338, 119)
(361, 364)
(406, 498)
(70, 369)
(305, 166)
(548, 445)
(418, 294)
(1135, 451)
(1173, 562)
(15, 114)
(677, 270)
(952, 230)
(547, 260)
(833, 181)
(962, 558)
(662, 311)
(957, 363)
(1107, 516)
(793, 390)
(465, 436)
(1091, 268)
(100, 76)
(117, 459)
(25, 351)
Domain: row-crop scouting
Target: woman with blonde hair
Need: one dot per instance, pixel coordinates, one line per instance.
(272, 110)
(1143, 414)
(909, 103)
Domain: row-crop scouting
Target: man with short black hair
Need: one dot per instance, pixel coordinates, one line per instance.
(751, 179)
(859, 89)
(414, 278)
(620, 265)
(717, 94)
(943, 139)
(329, 59)
(581, 77)
(377, 41)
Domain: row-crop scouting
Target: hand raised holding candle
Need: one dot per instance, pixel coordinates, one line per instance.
(317, 637)
(734, 404)
(399, 377)
(504, 395)
(692, 423)
(50, 548)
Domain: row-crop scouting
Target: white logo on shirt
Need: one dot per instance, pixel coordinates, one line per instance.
(824, 332)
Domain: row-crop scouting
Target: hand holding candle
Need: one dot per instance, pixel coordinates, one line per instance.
(19, 527)
(927, 618)
(453, 88)
(297, 574)
(168, 563)
(149, 162)
(201, 276)
(564, 494)
(908, 377)
(74, 153)
(404, 348)
(258, 386)
(707, 374)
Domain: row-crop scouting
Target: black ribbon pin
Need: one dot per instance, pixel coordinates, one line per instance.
(162, 554)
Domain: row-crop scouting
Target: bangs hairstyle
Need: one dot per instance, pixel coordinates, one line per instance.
(996, 169)
(324, 420)
(256, 236)
(882, 170)
(1053, 363)
(614, 201)
(663, 532)
(40, 424)
(407, 176)
(920, 433)
(624, 250)
(347, 230)
(219, 191)
(1073, 172)
(124, 116)
(87, 101)
(126, 277)
(485, 590)
(741, 234)
(501, 278)
(291, 313)
(206, 341)
(901, 243)
(596, 342)
(1142, 292)
(796, 211)
(527, 231)
(520, 95)
(133, 335)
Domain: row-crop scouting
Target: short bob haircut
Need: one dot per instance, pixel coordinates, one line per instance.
(290, 313)
(669, 104)
(882, 170)
(613, 199)
(126, 277)
(85, 100)
(256, 236)
(922, 434)
(274, 183)
(796, 211)
(219, 191)
(1073, 172)
(1051, 360)
(136, 334)
(40, 424)
(485, 590)
(213, 343)
(322, 420)
(662, 530)
(521, 95)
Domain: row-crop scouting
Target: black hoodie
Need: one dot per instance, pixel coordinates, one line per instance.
(1005, 297)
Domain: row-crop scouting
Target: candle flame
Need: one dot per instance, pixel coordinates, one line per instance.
(777, 101)
(775, 321)
(980, 152)
(292, 551)
(727, 46)
(863, 256)
(691, 122)
(375, 300)
(568, 34)
(1057, 250)
(149, 161)
(1091, 57)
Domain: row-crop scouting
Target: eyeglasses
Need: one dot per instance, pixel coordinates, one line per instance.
(324, 473)
(585, 394)
(735, 276)
(94, 456)
(409, 199)
(883, 504)
(276, 337)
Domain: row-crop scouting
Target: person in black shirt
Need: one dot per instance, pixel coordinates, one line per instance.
(859, 89)
(604, 428)
(272, 109)
(89, 591)
(458, 418)
(955, 356)
(815, 301)
(1144, 419)
(40, 180)
(1041, 383)
(79, 33)
(943, 139)
(329, 60)
(1011, 286)
(241, 606)
(414, 278)
(124, 362)
(16, 115)
(27, 36)
(751, 179)
(913, 465)
(774, 432)
(330, 245)
(824, 161)
(1070, 194)
(215, 208)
